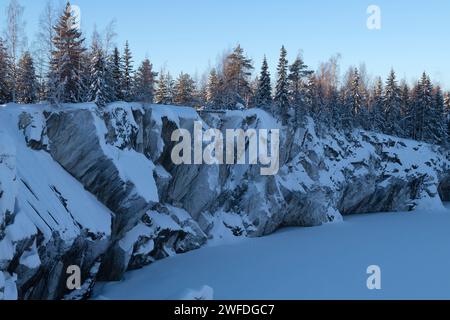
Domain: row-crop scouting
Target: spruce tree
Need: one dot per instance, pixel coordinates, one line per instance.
(264, 88)
(100, 91)
(160, 95)
(116, 74)
(437, 121)
(354, 98)
(65, 82)
(377, 110)
(314, 103)
(165, 91)
(281, 99)
(170, 85)
(127, 74)
(392, 106)
(27, 85)
(145, 82)
(405, 111)
(423, 110)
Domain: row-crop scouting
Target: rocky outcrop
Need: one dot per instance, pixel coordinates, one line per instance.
(98, 189)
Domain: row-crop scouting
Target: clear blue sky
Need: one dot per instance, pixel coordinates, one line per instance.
(188, 35)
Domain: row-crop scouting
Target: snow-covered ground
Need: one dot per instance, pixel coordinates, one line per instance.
(328, 262)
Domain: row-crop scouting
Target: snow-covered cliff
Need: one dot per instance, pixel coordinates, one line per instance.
(99, 189)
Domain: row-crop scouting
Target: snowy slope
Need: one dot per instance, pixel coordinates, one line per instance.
(328, 262)
(49, 204)
(97, 188)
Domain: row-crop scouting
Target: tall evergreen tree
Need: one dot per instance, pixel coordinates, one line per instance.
(281, 99)
(184, 90)
(377, 109)
(264, 88)
(161, 91)
(116, 74)
(100, 91)
(145, 82)
(127, 74)
(65, 82)
(392, 106)
(27, 84)
(298, 72)
(313, 102)
(447, 113)
(423, 107)
(170, 84)
(405, 110)
(236, 89)
(213, 90)
(166, 87)
(437, 121)
(354, 98)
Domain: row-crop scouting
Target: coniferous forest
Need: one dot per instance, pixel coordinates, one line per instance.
(65, 68)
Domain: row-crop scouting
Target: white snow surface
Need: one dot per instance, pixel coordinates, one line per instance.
(48, 198)
(327, 262)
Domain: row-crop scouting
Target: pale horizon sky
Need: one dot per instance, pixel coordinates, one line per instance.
(189, 36)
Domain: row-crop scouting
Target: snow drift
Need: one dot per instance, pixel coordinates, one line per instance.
(97, 189)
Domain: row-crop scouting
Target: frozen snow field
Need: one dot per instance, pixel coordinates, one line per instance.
(327, 262)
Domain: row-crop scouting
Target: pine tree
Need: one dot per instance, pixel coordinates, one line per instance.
(264, 88)
(116, 74)
(145, 82)
(27, 84)
(65, 83)
(5, 79)
(236, 89)
(281, 99)
(392, 106)
(184, 90)
(127, 74)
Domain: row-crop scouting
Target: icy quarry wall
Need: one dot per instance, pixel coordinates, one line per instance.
(99, 189)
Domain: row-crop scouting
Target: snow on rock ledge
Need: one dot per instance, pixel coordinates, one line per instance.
(98, 188)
